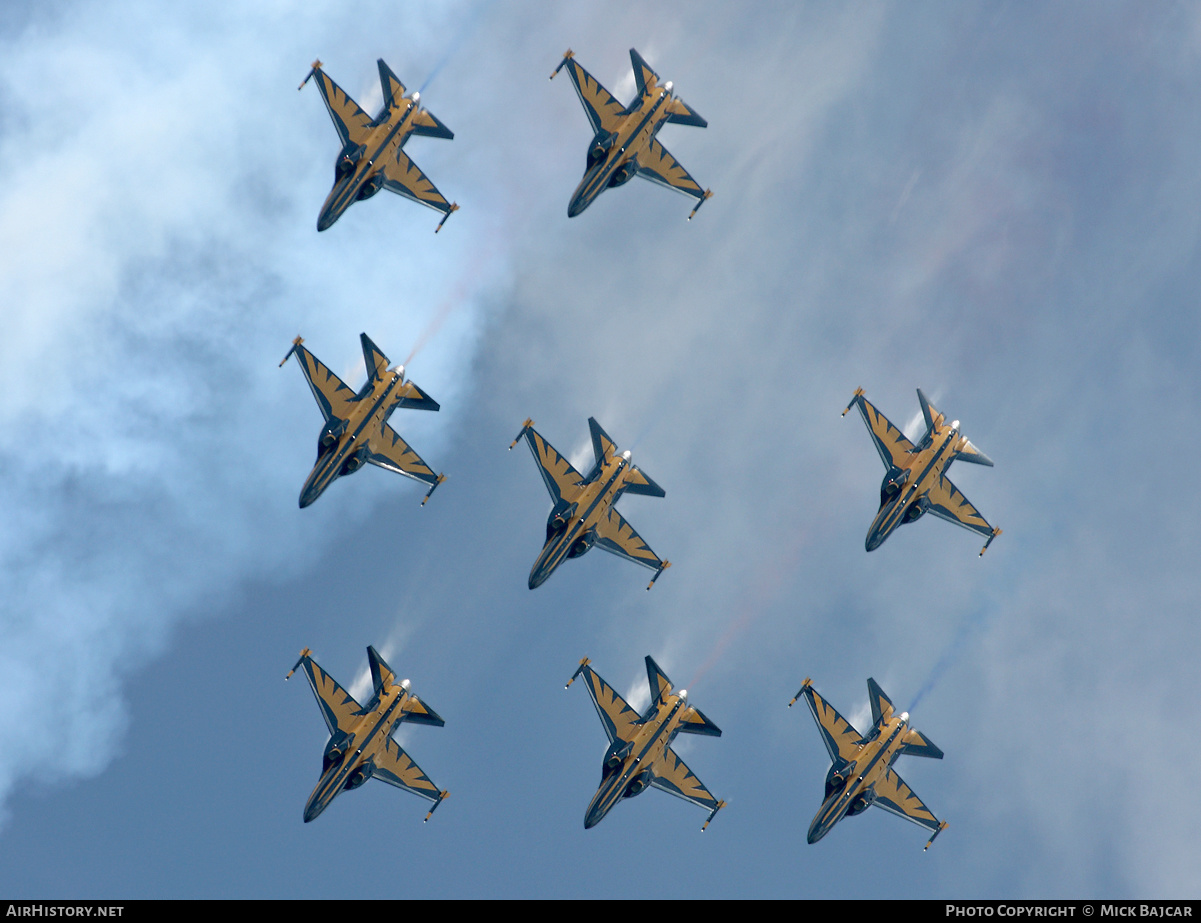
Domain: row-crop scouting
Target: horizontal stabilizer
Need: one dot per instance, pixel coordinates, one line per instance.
(683, 114)
(695, 722)
(916, 743)
(428, 124)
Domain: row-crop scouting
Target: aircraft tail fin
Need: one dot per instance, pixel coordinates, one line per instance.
(643, 72)
(381, 674)
(660, 684)
(373, 358)
(602, 446)
(929, 411)
(393, 89)
(916, 743)
(882, 707)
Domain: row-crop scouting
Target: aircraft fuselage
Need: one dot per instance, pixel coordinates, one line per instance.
(574, 536)
(645, 750)
(356, 761)
(857, 790)
(338, 453)
(632, 136)
(923, 471)
(361, 176)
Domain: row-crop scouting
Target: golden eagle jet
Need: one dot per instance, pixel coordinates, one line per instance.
(640, 753)
(372, 157)
(360, 736)
(861, 773)
(916, 481)
(356, 425)
(624, 144)
(584, 513)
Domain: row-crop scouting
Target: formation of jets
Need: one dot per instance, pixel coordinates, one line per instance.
(356, 432)
(584, 511)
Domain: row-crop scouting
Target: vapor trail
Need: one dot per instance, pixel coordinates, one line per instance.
(767, 580)
(455, 44)
(972, 622)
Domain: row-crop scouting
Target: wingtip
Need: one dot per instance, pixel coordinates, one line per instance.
(708, 194)
(854, 397)
(567, 56)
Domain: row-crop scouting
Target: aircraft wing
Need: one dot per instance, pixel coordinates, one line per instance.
(842, 740)
(890, 441)
(331, 392)
(673, 776)
(946, 502)
(350, 121)
(338, 706)
(389, 451)
(614, 712)
(894, 796)
(405, 178)
(394, 766)
(618, 537)
(560, 476)
(657, 165)
(603, 111)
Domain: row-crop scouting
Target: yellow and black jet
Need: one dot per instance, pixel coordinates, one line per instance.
(356, 425)
(372, 158)
(360, 736)
(640, 753)
(861, 773)
(584, 513)
(624, 144)
(916, 481)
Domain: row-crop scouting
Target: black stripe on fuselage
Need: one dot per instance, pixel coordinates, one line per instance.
(901, 504)
(349, 765)
(569, 536)
(612, 791)
(592, 190)
(334, 461)
(843, 802)
(358, 179)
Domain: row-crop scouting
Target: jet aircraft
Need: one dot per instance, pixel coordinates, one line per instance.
(916, 481)
(861, 773)
(584, 513)
(624, 144)
(640, 751)
(372, 158)
(356, 425)
(360, 736)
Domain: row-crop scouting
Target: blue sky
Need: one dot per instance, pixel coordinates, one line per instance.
(998, 203)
